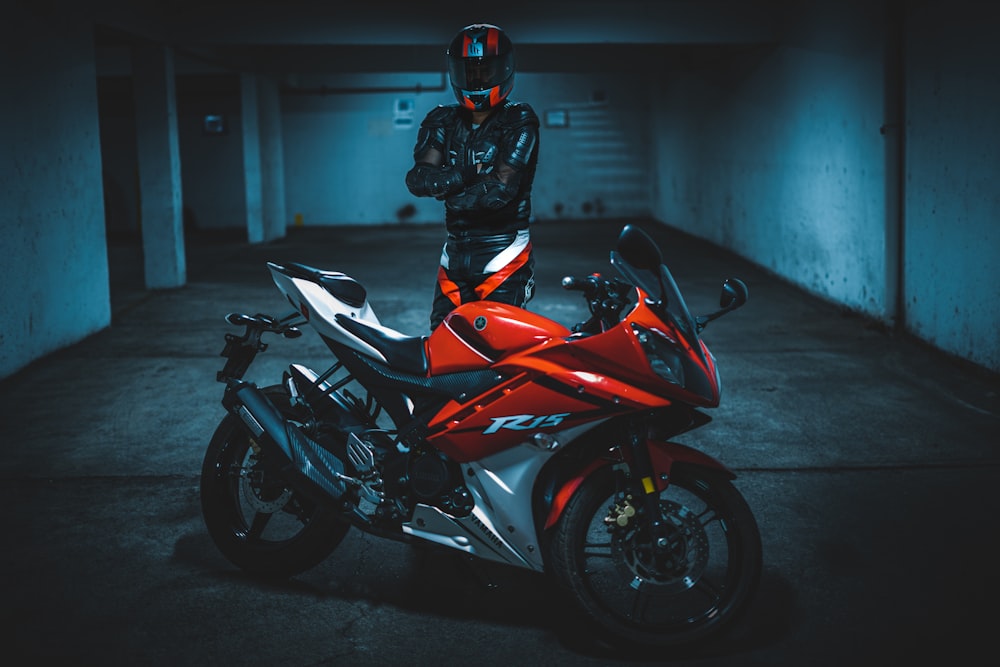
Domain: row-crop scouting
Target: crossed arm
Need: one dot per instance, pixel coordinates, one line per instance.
(493, 187)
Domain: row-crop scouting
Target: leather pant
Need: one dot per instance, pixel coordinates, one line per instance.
(498, 267)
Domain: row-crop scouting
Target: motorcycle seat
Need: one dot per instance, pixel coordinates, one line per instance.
(340, 285)
(403, 353)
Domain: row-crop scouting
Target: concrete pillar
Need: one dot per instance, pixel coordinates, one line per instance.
(54, 267)
(263, 162)
(252, 181)
(272, 160)
(161, 217)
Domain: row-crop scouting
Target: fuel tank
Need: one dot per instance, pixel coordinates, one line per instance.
(478, 333)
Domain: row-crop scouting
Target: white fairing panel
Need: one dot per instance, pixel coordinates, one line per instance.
(320, 308)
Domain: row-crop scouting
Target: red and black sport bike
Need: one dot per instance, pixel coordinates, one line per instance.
(503, 434)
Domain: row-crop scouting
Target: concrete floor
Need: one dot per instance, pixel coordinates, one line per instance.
(872, 464)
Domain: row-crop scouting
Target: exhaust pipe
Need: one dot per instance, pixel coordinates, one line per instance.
(279, 436)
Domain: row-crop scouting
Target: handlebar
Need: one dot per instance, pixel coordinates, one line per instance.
(605, 298)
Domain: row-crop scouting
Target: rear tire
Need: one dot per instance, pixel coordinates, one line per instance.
(638, 596)
(255, 518)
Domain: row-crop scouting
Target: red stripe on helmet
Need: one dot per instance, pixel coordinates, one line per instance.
(465, 45)
(492, 41)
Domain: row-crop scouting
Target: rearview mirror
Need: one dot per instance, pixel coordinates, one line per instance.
(734, 294)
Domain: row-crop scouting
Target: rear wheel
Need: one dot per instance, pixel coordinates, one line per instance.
(255, 518)
(664, 586)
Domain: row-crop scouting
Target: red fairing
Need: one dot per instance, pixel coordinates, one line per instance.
(665, 454)
(555, 381)
(478, 333)
(643, 316)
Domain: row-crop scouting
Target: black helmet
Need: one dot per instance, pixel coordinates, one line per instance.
(481, 66)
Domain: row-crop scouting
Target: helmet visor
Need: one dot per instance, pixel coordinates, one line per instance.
(480, 73)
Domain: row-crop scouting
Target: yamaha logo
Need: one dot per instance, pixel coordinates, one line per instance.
(479, 323)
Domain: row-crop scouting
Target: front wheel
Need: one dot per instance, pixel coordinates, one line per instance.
(258, 521)
(666, 582)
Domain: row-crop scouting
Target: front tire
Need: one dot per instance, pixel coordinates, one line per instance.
(259, 522)
(690, 584)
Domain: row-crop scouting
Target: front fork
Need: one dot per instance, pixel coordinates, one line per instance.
(648, 482)
(648, 462)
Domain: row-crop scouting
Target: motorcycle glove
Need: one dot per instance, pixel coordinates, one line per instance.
(428, 180)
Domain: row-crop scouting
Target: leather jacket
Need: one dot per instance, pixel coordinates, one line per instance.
(483, 174)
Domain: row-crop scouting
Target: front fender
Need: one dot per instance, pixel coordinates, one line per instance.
(663, 455)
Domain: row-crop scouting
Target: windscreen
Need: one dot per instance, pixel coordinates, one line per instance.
(476, 74)
(672, 302)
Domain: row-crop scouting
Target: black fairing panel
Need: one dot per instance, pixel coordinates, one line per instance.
(392, 387)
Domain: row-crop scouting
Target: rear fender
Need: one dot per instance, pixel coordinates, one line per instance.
(663, 455)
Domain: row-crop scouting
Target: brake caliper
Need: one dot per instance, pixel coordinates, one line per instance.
(621, 513)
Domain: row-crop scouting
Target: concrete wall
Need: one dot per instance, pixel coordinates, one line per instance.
(346, 155)
(55, 268)
(211, 164)
(952, 229)
(779, 156)
(345, 158)
(118, 155)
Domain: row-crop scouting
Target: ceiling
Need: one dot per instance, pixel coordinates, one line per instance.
(309, 36)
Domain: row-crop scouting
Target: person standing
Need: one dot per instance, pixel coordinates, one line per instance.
(478, 156)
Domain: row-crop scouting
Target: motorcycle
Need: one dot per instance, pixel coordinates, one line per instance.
(504, 435)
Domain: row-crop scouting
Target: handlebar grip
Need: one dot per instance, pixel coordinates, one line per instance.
(571, 283)
(587, 284)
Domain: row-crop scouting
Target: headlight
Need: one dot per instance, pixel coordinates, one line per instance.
(660, 353)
